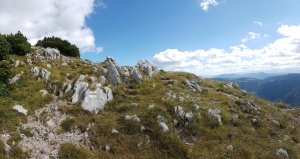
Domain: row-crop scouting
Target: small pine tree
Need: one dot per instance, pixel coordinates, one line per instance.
(19, 44)
(4, 48)
(64, 46)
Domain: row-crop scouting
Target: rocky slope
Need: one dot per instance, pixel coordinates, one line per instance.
(62, 107)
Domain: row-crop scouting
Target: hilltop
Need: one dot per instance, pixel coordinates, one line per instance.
(66, 107)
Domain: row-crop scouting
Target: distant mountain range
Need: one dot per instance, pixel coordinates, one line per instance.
(284, 88)
(259, 75)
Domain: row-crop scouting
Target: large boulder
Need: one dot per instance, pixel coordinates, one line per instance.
(79, 91)
(136, 75)
(51, 53)
(95, 100)
(112, 72)
(45, 74)
(146, 67)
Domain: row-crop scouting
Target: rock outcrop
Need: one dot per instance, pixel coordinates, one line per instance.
(20, 109)
(146, 67)
(51, 53)
(215, 113)
(112, 72)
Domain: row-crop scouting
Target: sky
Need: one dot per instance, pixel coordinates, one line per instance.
(205, 37)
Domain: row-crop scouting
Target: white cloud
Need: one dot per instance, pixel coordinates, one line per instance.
(258, 23)
(282, 54)
(253, 36)
(204, 4)
(37, 19)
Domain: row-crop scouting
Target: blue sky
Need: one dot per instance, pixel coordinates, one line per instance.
(206, 37)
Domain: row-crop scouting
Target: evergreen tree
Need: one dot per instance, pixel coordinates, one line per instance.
(19, 44)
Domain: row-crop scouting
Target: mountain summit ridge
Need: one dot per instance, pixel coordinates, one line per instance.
(79, 109)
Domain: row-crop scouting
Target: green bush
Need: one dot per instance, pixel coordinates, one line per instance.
(68, 124)
(5, 73)
(19, 44)
(64, 46)
(4, 48)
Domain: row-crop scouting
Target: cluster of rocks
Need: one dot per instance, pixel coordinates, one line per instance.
(46, 138)
(193, 84)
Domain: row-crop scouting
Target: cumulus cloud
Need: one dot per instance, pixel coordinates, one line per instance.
(252, 36)
(258, 23)
(204, 4)
(36, 19)
(282, 54)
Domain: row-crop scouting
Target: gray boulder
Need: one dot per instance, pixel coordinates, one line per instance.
(95, 100)
(79, 88)
(16, 78)
(112, 72)
(103, 70)
(136, 75)
(51, 53)
(146, 67)
(45, 74)
(35, 71)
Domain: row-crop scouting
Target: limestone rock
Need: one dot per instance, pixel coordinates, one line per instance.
(44, 92)
(102, 79)
(163, 126)
(103, 70)
(146, 67)
(79, 88)
(45, 74)
(51, 53)
(180, 111)
(92, 79)
(136, 75)
(133, 117)
(35, 71)
(193, 85)
(16, 78)
(112, 72)
(215, 113)
(282, 151)
(114, 131)
(229, 148)
(20, 109)
(95, 100)
(17, 63)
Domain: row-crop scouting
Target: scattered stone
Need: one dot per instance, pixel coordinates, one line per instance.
(180, 111)
(17, 63)
(92, 79)
(196, 107)
(20, 109)
(4, 138)
(103, 70)
(276, 122)
(114, 131)
(215, 113)
(35, 71)
(44, 92)
(181, 99)
(164, 126)
(282, 151)
(151, 106)
(48, 65)
(94, 69)
(133, 117)
(136, 75)
(229, 148)
(45, 74)
(28, 62)
(51, 53)
(188, 116)
(228, 85)
(107, 148)
(16, 78)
